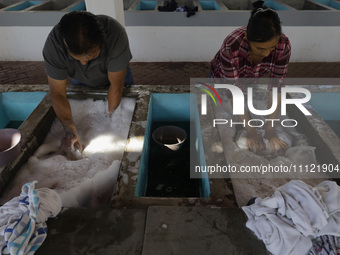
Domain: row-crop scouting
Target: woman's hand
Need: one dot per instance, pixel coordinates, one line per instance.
(276, 144)
(254, 141)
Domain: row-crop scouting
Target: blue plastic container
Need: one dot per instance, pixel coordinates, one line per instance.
(209, 5)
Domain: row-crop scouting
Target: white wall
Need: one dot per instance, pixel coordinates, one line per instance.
(152, 44)
(176, 43)
(314, 44)
(309, 44)
(22, 43)
(114, 9)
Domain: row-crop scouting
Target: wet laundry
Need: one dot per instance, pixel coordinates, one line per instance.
(172, 5)
(23, 219)
(294, 215)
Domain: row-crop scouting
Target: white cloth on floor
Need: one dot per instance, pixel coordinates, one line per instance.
(330, 193)
(296, 212)
(23, 219)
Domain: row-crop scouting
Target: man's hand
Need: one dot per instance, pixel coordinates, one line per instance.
(70, 142)
(254, 141)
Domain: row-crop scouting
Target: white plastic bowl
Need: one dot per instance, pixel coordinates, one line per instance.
(9, 145)
(169, 138)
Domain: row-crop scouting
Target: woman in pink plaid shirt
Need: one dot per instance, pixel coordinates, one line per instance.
(252, 52)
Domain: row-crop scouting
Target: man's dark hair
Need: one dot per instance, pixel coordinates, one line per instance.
(264, 24)
(81, 31)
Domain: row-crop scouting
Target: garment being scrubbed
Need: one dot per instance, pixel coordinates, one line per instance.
(23, 219)
(294, 215)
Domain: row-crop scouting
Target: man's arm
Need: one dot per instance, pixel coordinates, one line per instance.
(62, 109)
(114, 95)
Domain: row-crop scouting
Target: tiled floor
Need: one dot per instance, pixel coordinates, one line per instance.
(158, 73)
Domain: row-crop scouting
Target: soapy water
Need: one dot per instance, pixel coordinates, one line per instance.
(84, 178)
(234, 142)
(287, 134)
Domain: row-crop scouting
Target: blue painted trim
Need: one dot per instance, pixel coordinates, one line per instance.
(79, 7)
(3, 115)
(275, 6)
(197, 154)
(169, 107)
(330, 3)
(326, 105)
(144, 163)
(23, 6)
(146, 6)
(209, 5)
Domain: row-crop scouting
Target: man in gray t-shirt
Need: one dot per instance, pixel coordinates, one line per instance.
(93, 50)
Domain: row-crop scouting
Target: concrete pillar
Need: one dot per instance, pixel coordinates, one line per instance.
(112, 8)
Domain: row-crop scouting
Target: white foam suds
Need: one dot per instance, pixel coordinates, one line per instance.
(90, 179)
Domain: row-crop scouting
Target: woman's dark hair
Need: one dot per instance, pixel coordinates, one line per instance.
(81, 31)
(264, 23)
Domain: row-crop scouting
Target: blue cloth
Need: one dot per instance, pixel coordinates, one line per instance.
(22, 236)
(22, 224)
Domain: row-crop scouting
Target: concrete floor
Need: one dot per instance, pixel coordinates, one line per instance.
(159, 230)
(153, 229)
